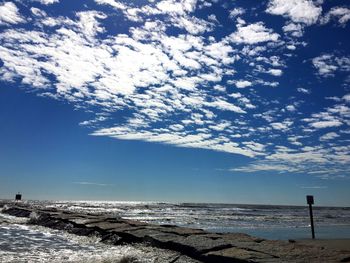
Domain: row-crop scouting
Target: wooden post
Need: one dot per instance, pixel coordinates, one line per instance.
(310, 201)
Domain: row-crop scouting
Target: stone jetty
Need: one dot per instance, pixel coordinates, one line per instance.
(191, 245)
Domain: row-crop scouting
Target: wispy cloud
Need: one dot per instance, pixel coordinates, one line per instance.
(314, 187)
(92, 183)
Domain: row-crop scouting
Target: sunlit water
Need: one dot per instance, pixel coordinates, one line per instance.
(26, 243)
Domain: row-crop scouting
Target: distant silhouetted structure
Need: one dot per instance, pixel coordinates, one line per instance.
(18, 197)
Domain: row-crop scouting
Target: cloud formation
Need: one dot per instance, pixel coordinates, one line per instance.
(162, 72)
(328, 64)
(9, 14)
(299, 11)
(341, 14)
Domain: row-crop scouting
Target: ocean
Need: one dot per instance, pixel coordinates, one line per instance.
(20, 242)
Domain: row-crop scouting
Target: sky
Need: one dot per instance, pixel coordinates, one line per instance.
(177, 101)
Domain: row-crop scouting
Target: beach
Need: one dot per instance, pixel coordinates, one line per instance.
(339, 244)
(170, 243)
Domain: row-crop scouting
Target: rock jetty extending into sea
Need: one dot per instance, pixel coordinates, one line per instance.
(191, 245)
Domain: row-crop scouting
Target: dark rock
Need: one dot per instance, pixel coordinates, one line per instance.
(15, 211)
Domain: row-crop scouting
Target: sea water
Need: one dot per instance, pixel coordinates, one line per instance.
(20, 242)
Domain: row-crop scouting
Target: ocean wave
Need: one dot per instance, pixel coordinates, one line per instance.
(36, 244)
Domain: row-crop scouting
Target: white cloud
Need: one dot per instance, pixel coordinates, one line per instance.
(324, 66)
(47, 2)
(342, 14)
(176, 89)
(92, 184)
(179, 7)
(346, 97)
(219, 88)
(328, 64)
(281, 125)
(236, 12)
(310, 160)
(299, 11)
(177, 127)
(192, 24)
(275, 72)
(302, 90)
(294, 140)
(291, 108)
(38, 12)
(329, 136)
(160, 77)
(9, 14)
(314, 187)
(253, 34)
(296, 30)
(89, 24)
(213, 18)
(221, 126)
(243, 83)
(224, 105)
(113, 3)
(199, 140)
(263, 167)
(267, 83)
(235, 95)
(326, 124)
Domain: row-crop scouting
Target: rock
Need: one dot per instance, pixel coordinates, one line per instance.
(180, 230)
(193, 246)
(202, 243)
(15, 211)
(108, 226)
(235, 254)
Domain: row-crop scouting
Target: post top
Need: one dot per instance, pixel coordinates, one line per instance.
(310, 199)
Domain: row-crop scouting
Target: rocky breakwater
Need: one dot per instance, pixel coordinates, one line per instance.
(193, 245)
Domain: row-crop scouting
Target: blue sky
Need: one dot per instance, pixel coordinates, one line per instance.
(192, 100)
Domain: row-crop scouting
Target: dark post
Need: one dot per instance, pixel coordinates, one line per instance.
(310, 201)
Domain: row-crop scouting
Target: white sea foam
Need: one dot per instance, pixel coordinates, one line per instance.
(25, 244)
(7, 219)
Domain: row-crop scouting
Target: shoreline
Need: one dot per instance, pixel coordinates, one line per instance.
(196, 244)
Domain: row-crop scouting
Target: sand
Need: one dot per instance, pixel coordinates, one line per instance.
(338, 244)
